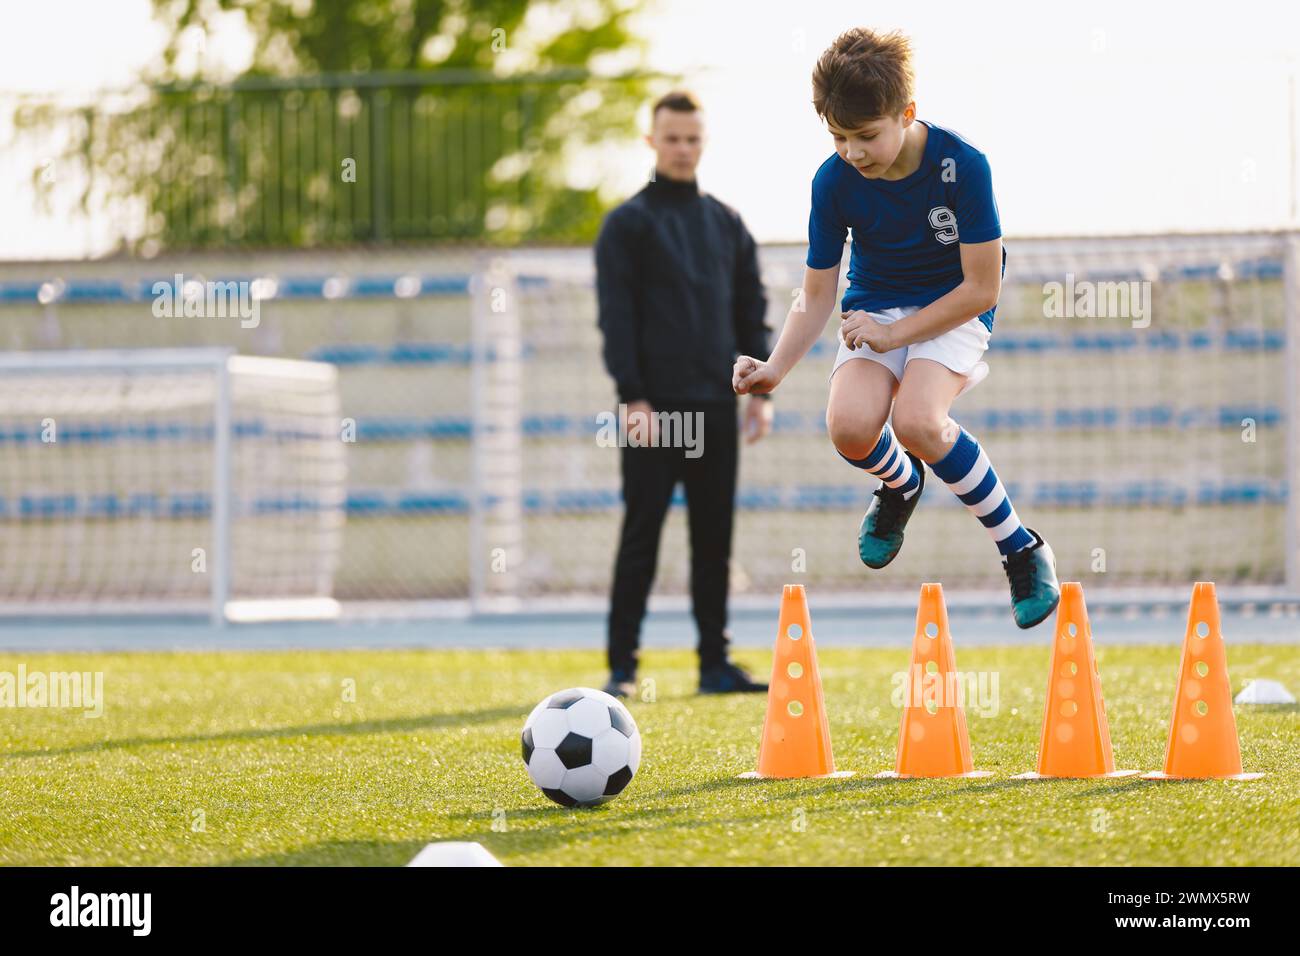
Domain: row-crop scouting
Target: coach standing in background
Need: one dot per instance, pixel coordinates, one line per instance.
(680, 296)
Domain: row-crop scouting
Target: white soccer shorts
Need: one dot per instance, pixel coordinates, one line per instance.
(959, 349)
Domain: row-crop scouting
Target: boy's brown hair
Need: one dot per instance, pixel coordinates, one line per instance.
(863, 76)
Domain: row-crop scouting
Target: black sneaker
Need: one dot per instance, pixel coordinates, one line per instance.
(1035, 591)
(621, 684)
(727, 679)
(881, 534)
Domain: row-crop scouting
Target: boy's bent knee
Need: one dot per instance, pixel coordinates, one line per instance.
(853, 435)
(920, 432)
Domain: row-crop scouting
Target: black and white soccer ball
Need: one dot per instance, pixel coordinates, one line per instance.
(581, 747)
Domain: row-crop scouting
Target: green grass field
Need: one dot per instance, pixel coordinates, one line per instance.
(257, 758)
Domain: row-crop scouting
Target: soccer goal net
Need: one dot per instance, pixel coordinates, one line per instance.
(169, 481)
(1141, 410)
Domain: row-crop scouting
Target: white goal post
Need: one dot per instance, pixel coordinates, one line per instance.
(169, 481)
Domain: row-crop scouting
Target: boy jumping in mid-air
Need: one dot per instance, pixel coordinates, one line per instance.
(924, 277)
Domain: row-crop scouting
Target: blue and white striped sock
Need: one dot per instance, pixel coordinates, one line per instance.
(967, 471)
(888, 463)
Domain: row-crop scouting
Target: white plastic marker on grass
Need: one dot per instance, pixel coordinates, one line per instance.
(455, 854)
(1264, 692)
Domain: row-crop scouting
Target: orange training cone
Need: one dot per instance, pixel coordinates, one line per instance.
(932, 741)
(1076, 733)
(796, 735)
(1203, 731)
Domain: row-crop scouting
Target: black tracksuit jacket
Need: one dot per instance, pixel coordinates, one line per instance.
(680, 295)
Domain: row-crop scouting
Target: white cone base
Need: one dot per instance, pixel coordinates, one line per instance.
(755, 775)
(1264, 692)
(1161, 775)
(1113, 775)
(895, 775)
(454, 853)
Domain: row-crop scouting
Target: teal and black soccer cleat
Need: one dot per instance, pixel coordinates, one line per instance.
(1035, 592)
(881, 534)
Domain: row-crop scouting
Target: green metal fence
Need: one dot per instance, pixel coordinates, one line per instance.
(340, 159)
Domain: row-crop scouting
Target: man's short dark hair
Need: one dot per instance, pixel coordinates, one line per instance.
(679, 101)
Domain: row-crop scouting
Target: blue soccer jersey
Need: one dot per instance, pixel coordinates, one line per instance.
(906, 232)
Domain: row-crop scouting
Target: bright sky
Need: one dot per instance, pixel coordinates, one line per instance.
(1097, 117)
(1100, 117)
